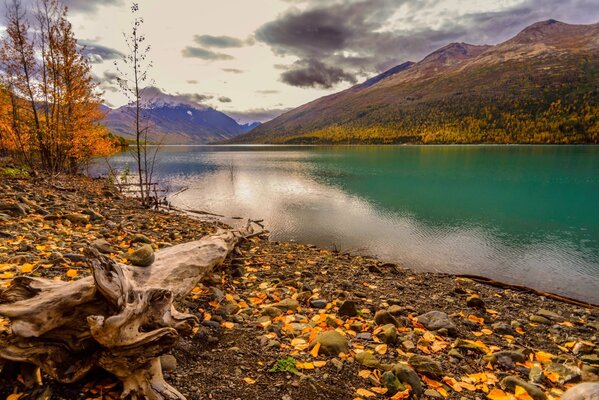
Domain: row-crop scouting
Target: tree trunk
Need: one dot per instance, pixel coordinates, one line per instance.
(120, 319)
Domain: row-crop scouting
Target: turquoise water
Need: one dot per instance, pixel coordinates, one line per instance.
(521, 214)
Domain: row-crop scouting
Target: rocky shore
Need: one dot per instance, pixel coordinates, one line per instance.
(288, 321)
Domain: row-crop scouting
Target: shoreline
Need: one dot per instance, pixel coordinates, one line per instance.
(246, 331)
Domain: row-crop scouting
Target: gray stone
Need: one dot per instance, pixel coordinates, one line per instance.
(550, 315)
(510, 383)
(332, 343)
(475, 302)
(272, 312)
(390, 381)
(505, 358)
(143, 256)
(76, 218)
(435, 320)
(74, 257)
(364, 336)
(407, 375)
(102, 246)
(583, 391)
(367, 359)
(348, 309)
(94, 215)
(426, 365)
(140, 238)
(539, 319)
(388, 334)
(501, 328)
(318, 304)
(395, 310)
(168, 362)
(433, 393)
(287, 305)
(382, 317)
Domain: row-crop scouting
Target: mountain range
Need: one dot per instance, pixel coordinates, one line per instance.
(541, 86)
(174, 119)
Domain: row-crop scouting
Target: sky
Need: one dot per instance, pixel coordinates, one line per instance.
(254, 59)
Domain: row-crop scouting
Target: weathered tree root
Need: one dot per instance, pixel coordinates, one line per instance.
(120, 319)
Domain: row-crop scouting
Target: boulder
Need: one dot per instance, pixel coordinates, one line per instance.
(435, 320)
(332, 343)
(426, 365)
(143, 256)
(102, 246)
(367, 359)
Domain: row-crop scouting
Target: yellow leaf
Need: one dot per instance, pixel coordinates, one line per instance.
(25, 268)
(249, 380)
(365, 393)
(314, 351)
(365, 373)
(228, 325)
(72, 273)
(14, 396)
(442, 391)
(486, 331)
(381, 348)
(542, 356)
(401, 395)
(306, 365)
(379, 390)
(320, 364)
(299, 344)
(474, 318)
(552, 376)
(498, 394)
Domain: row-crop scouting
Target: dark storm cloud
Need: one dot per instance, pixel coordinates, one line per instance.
(97, 53)
(197, 52)
(218, 41)
(312, 73)
(224, 99)
(256, 114)
(351, 38)
(79, 6)
(233, 70)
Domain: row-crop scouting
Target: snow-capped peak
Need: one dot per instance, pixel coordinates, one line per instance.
(153, 97)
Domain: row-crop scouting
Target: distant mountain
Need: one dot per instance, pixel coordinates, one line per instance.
(540, 86)
(174, 119)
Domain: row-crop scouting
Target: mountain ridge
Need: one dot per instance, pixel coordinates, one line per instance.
(542, 82)
(174, 119)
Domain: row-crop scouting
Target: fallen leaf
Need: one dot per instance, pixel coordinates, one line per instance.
(498, 394)
(314, 351)
(379, 390)
(365, 393)
(249, 380)
(26, 268)
(72, 273)
(365, 373)
(381, 348)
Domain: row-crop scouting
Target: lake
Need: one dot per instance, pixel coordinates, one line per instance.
(520, 214)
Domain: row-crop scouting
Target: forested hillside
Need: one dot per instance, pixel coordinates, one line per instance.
(539, 87)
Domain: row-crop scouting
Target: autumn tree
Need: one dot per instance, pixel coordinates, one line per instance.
(55, 102)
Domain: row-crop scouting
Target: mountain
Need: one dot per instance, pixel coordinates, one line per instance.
(537, 87)
(175, 119)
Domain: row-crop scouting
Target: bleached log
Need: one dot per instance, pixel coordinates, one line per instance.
(122, 318)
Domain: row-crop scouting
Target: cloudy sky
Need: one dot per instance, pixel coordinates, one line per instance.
(254, 58)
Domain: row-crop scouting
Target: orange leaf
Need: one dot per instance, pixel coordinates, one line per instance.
(401, 395)
(365, 393)
(381, 348)
(25, 268)
(72, 273)
(315, 349)
(365, 373)
(249, 380)
(498, 394)
(379, 390)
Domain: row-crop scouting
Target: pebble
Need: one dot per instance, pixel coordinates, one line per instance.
(168, 362)
(510, 383)
(583, 391)
(143, 256)
(426, 365)
(348, 309)
(435, 320)
(287, 305)
(318, 304)
(382, 317)
(367, 359)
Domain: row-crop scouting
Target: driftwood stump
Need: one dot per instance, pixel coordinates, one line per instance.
(120, 319)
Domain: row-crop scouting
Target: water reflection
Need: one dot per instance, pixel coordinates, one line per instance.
(526, 215)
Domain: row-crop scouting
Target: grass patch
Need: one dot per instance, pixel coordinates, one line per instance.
(284, 365)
